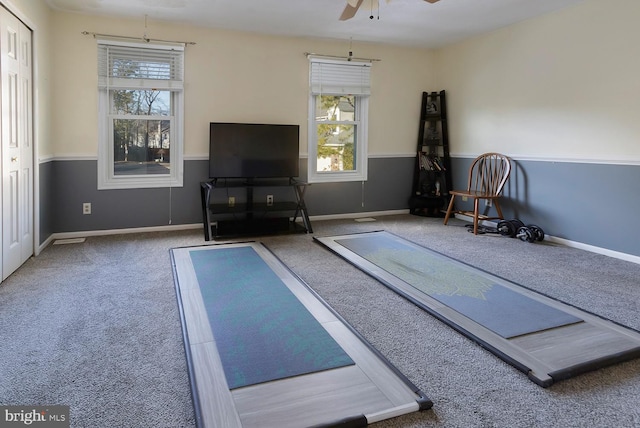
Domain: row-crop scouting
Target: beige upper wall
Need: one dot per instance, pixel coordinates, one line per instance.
(37, 16)
(234, 76)
(562, 86)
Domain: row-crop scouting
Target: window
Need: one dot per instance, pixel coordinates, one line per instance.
(338, 112)
(141, 101)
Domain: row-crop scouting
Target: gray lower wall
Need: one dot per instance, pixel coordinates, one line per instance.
(582, 202)
(74, 182)
(388, 188)
(575, 201)
(66, 185)
(46, 183)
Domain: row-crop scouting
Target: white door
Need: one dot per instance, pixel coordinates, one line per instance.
(17, 142)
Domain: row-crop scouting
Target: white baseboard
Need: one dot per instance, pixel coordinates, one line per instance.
(561, 241)
(598, 250)
(358, 215)
(573, 244)
(86, 233)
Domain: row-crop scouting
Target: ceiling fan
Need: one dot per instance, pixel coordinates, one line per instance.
(353, 6)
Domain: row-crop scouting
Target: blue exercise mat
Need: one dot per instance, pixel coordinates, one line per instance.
(471, 292)
(261, 330)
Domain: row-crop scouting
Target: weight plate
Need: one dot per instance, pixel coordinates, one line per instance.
(538, 233)
(517, 223)
(506, 228)
(525, 234)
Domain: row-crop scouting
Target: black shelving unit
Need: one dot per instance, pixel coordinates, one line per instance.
(432, 171)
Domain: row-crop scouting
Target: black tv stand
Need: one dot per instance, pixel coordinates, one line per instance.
(222, 219)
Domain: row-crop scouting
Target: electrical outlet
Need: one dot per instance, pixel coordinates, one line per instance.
(86, 208)
(488, 202)
(269, 200)
(232, 201)
(464, 198)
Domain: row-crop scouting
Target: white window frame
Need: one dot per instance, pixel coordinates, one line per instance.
(342, 78)
(106, 175)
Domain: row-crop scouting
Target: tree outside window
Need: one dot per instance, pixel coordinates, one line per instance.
(141, 103)
(141, 136)
(336, 130)
(338, 115)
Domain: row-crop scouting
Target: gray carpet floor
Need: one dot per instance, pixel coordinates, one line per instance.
(95, 326)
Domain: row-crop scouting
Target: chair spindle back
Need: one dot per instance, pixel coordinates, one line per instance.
(488, 173)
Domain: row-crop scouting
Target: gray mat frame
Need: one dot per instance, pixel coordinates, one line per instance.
(370, 391)
(546, 356)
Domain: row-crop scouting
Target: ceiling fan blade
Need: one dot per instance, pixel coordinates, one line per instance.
(350, 11)
(432, 1)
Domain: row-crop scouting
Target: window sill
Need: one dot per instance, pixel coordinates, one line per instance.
(333, 177)
(128, 183)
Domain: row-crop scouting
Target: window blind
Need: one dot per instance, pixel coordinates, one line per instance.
(339, 77)
(133, 66)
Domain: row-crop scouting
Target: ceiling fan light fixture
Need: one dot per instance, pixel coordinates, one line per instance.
(353, 6)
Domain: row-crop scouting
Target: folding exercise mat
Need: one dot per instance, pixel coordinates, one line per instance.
(265, 350)
(541, 336)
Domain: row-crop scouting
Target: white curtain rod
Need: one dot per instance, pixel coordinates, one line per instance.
(144, 39)
(348, 58)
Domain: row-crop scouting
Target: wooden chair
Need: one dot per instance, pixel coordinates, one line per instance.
(487, 175)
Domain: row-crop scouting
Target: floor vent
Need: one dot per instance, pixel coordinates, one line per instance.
(69, 241)
(364, 219)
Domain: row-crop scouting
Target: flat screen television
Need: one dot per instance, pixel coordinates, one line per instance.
(253, 150)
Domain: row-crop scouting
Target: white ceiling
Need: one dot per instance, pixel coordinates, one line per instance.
(401, 22)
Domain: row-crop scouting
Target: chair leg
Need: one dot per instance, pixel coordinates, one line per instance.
(449, 210)
(497, 205)
(476, 204)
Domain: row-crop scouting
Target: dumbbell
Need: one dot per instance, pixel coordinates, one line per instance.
(509, 227)
(537, 232)
(530, 233)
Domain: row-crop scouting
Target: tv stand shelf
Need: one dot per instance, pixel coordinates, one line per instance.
(249, 217)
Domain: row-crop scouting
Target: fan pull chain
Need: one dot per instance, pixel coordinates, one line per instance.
(371, 9)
